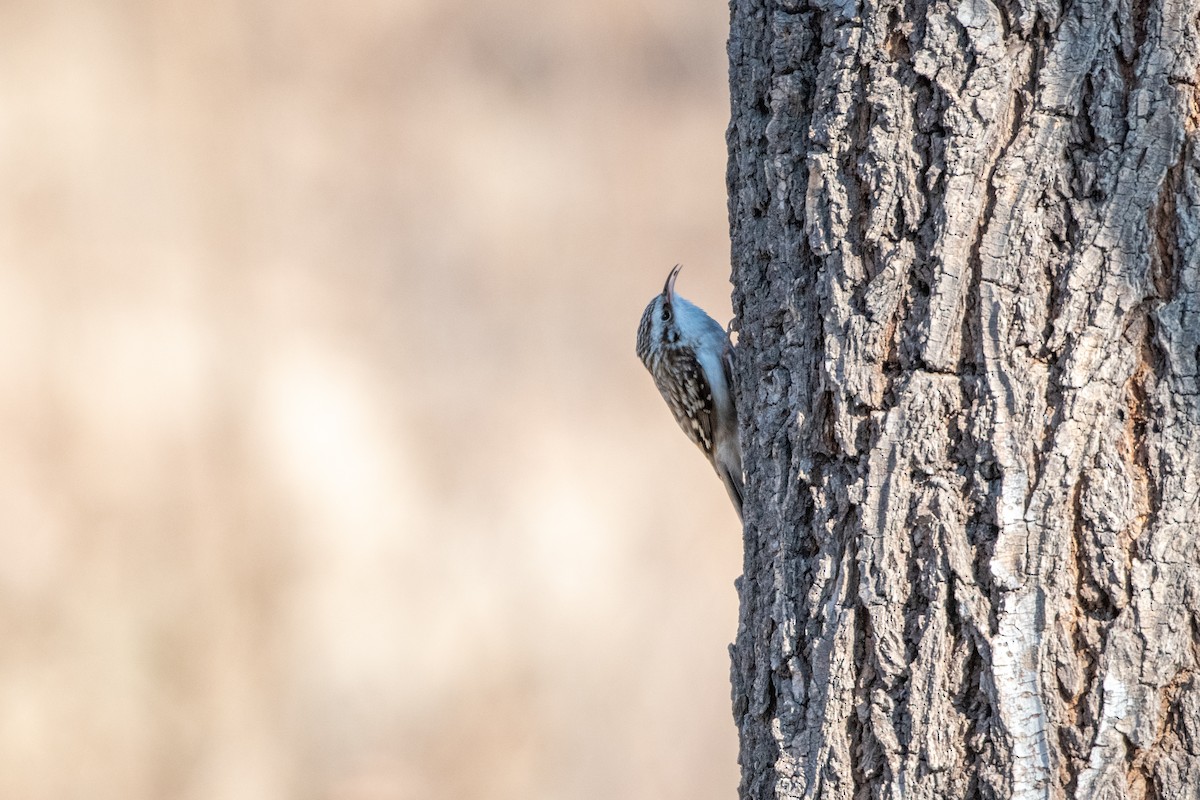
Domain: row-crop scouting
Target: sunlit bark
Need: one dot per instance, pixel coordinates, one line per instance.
(966, 252)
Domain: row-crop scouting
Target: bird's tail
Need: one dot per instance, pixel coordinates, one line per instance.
(729, 468)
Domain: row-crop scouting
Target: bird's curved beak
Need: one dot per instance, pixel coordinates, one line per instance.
(669, 286)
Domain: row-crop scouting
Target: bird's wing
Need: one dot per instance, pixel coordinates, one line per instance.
(727, 366)
(693, 393)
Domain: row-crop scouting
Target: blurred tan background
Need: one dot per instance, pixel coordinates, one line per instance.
(328, 468)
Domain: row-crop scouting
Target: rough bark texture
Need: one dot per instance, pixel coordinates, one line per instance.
(966, 248)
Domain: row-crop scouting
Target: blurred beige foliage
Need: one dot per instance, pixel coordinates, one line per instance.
(329, 469)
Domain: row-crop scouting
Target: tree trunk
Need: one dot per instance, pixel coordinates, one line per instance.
(966, 256)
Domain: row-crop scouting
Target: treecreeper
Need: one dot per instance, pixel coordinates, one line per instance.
(690, 357)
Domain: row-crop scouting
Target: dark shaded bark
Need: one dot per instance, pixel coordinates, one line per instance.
(966, 257)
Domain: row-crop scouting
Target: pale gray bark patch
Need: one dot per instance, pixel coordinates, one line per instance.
(966, 251)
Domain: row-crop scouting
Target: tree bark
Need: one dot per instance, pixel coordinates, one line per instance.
(966, 258)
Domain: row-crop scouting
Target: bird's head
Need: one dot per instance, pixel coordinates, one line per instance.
(658, 320)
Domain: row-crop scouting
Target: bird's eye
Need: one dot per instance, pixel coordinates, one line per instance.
(666, 315)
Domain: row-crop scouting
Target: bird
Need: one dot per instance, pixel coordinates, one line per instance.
(690, 357)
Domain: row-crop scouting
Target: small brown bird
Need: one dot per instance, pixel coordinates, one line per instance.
(690, 357)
